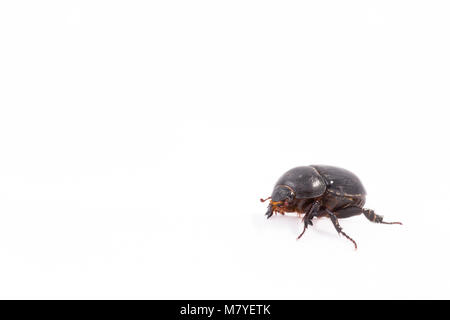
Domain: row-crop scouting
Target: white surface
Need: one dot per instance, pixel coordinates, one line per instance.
(136, 139)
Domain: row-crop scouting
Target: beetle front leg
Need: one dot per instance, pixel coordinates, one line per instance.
(338, 228)
(269, 212)
(307, 219)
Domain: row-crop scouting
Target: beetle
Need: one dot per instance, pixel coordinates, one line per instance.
(321, 191)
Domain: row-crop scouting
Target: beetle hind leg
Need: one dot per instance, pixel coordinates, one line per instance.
(372, 216)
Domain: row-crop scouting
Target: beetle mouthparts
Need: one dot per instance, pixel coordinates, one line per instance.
(276, 202)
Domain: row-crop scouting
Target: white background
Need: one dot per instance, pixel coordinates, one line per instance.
(136, 138)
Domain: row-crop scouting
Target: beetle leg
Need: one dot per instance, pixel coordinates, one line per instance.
(269, 212)
(304, 229)
(372, 216)
(307, 219)
(338, 228)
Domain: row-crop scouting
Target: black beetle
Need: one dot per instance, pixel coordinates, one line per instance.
(321, 191)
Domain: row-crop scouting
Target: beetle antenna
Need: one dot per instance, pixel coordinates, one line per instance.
(264, 200)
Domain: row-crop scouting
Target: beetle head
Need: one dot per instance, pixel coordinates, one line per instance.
(282, 193)
(282, 198)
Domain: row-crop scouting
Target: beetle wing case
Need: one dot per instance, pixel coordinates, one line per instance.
(341, 181)
(305, 181)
